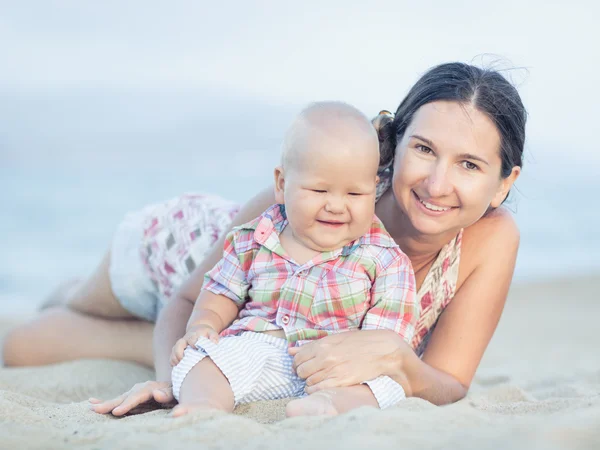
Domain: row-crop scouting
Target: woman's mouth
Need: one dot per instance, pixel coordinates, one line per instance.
(430, 208)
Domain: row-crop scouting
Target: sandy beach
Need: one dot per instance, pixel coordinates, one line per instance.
(538, 387)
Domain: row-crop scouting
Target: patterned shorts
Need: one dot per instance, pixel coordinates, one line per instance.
(258, 367)
(157, 248)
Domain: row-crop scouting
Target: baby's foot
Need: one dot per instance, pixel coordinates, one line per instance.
(187, 408)
(317, 404)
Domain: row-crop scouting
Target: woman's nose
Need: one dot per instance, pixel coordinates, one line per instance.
(439, 183)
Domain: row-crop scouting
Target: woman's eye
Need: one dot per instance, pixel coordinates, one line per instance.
(469, 165)
(424, 149)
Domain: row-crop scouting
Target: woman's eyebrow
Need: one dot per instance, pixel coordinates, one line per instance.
(427, 141)
(462, 155)
(474, 157)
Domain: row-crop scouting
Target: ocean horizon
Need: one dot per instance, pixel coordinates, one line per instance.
(72, 167)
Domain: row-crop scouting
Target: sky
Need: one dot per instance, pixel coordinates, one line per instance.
(152, 88)
(281, 52)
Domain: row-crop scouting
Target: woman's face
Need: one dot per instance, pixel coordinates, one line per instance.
(447, 168)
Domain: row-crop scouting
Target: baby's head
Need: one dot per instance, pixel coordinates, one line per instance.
(328, 175)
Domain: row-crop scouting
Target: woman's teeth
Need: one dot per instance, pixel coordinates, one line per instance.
(433, 207)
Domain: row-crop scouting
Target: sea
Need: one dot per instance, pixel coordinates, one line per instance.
(73, 162)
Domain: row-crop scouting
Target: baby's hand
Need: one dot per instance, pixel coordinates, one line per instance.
(190, 338)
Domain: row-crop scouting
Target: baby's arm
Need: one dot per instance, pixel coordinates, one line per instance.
(394, 303)
(224, 292)
(212, 314)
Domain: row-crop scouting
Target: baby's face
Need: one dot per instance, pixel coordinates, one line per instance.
(329, 195)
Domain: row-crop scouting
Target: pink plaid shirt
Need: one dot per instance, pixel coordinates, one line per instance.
(368, 284)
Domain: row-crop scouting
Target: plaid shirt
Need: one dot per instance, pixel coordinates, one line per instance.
(368, 284)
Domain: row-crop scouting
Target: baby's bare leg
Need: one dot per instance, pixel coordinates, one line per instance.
(204, 387)
(331, 402)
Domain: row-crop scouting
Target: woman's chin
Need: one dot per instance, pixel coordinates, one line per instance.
(429, 226)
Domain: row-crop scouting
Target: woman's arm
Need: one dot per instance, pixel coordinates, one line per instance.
(458, 342)
(466, 327)
(172, 321)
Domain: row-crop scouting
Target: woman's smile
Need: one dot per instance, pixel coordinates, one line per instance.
(432, 209)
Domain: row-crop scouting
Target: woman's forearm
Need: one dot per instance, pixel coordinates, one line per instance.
(421, 380)
(170, 326)
(172, 321)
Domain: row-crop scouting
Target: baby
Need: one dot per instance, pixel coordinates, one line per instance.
(316, 263)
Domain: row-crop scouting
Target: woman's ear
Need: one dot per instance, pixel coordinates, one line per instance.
(505, 186)
(279, 184)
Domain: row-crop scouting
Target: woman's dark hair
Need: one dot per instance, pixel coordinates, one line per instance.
(487, 90)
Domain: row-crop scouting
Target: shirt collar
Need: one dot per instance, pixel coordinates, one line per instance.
(271, 223)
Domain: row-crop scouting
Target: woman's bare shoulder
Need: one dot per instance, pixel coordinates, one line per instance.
(496, 234)
(497, 224)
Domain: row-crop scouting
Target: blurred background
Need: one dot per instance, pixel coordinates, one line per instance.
(108, 106)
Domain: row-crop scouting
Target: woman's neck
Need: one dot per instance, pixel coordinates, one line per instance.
(422, 249)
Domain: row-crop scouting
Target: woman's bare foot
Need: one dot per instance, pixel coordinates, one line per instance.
(61, 294)
(317, 404)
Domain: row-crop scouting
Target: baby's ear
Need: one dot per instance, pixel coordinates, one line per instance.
(279, 184)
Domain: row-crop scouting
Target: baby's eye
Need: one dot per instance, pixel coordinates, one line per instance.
(355, 194)
(469, 165)
(319, 191)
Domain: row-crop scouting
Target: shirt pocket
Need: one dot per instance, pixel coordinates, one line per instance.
(341, 300)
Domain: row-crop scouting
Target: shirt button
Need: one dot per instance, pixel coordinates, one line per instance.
(285, 320)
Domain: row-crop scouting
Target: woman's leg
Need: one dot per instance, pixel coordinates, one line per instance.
(93, 296)
(60, 334)
(88, 323)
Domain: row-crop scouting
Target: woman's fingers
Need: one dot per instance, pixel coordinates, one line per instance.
(108, 405)
(132, 400)
(317, 377)
(160, 391)
(328, 383)
(302, 354)
(164, 395)
(309, 368)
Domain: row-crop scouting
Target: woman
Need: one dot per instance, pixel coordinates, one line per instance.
(448, 160)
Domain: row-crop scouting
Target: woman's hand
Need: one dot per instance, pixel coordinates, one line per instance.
(347, 359)
(159, 391)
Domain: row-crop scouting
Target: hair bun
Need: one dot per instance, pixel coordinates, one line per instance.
(381, 121)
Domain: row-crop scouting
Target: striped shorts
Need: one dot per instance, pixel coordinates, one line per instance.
(258, 367)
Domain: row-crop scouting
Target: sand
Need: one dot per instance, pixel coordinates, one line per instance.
(538, 387)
